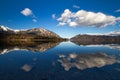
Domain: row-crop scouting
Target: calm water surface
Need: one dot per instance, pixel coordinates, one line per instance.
(60, 61)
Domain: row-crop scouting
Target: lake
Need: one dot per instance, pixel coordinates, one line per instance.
(60, 61)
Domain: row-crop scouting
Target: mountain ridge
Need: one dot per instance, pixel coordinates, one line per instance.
(38, 34)
(39, 30)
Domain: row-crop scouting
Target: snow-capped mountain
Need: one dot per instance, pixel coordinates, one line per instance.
(4, 28)
(7, 29)
(34, 31)
(41, 31)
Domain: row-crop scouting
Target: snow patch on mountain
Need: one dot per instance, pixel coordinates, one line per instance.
(5, 28)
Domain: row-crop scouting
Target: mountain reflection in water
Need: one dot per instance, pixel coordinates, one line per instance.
(84, 61)
(109, 45)
(31, 46)
(42, 46)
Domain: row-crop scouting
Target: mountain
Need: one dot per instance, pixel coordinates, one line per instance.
(42, 32)
(95, 39)
(4, 29)
(35, 33)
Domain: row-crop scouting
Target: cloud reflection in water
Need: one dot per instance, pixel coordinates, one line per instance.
(84, 61)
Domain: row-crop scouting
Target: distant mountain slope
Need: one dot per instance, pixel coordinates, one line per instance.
(95, 39)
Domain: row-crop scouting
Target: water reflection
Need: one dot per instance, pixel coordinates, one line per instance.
(84, 61)
(26, 67)
(35, 47)
(109, 45)
(44, 46)
(66, 61)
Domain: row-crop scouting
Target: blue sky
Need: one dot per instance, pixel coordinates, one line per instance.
(27, 14)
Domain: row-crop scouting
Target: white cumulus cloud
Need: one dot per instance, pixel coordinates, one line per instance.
(86, 18)
(73, 24)
(27, 12)
(61, 24)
